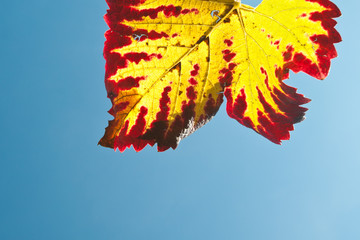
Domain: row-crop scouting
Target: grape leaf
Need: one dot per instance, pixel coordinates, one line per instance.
(169, 65)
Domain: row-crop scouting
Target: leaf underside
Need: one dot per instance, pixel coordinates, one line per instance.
(169, 65)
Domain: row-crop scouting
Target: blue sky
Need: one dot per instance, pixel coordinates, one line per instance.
(222, 182)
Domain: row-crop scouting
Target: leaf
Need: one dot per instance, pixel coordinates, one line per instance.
(170, 63)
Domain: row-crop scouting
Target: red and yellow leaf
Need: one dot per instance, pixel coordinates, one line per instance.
(169, 64)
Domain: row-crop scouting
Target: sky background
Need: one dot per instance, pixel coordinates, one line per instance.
(222, 182)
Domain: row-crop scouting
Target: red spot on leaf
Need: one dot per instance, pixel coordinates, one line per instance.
(153, 35)
(137, 57)
(187, 11)
(194, 73)
(192, 81)
(195, 10)
(232, 66)
(263, 71)
(195, 70)
(288, 53)
(226, 78)
(128, 83)
(191, 93)
(227, 73)
(228, 55)
(228, 42)
(240, 104)
(164, 105)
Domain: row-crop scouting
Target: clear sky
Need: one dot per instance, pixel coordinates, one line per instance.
(222, 182)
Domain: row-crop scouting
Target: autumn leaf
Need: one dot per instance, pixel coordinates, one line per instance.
(169, 65)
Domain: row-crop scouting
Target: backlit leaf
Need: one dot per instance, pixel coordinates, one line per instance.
(170, 63)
